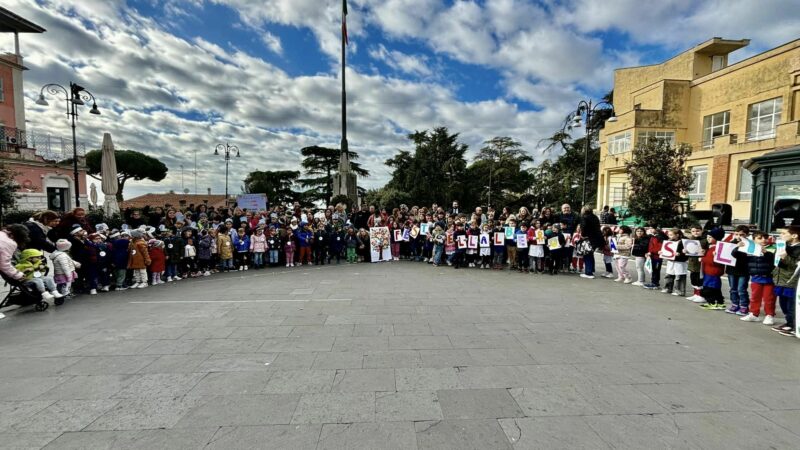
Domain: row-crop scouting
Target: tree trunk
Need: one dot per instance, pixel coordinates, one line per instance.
(120, 186)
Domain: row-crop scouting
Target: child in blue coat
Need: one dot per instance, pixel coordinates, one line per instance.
(241, 245)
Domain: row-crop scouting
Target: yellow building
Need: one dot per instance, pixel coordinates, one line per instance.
(728, 114)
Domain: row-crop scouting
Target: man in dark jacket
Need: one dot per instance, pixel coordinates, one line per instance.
(590, 229)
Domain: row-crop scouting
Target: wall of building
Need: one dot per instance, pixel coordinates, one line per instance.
(7, 114)
(684, 103)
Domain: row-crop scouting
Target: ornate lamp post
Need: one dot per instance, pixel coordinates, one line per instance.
(227, 149)
(587, 108)
(75, 96)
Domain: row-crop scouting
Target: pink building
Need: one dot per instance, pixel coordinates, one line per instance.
(45, 181)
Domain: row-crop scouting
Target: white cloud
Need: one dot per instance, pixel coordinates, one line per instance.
(418, 65)
(272, 42)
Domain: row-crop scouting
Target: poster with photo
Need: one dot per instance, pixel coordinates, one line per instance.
(379, 244)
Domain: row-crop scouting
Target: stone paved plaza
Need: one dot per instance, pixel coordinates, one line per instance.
(394, 355)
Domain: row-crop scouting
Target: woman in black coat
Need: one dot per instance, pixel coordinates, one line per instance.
(590, 229)
(38, 228)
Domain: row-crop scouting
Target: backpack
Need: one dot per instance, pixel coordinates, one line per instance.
(584, 248)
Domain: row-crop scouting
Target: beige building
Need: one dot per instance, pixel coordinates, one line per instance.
(728, 114)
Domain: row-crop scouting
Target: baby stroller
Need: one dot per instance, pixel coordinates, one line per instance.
(19, 294)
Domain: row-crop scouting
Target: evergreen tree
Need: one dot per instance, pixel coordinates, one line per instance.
(320, 164)
(659, 179)
(277, 184)
(8, 191)
(130, 165)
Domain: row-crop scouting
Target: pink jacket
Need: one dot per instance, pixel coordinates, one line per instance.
(7, 248)
(258, 244)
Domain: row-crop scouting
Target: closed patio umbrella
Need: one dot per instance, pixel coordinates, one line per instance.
(108, 172)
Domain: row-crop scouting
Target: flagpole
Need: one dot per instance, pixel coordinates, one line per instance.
(344, 91)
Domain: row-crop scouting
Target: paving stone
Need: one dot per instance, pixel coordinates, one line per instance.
(160, 385)
(501, 341)
(294, 360)
(322, 330)
(260, 332)
(637, 431)
(208, 333)
(478, 404)
(412, 329)
(567, 433)
(500, 357)
(20, 440)
(172, 346)
(338, 407)
(16, 412)
(298, 344)
(362, 330)
(34, 367)
(114, 348)
(237, 362)
(552, 401)
(27, 388)
(231, 383)
(363, 380)
(392, 359)
(409, 405)
(460, 435)
(66, 415)
(360, 344)
(447, 358)
(300, 437)
(228, 346)
(109, 365)
(418, 342)
(89, 387)
(426, 379)
(743, 430)
(375, 436)
(338, 360)
(235, 410)
(301, 381)
(619, 399)
(705, 397)
(145, 413)
(175, 364)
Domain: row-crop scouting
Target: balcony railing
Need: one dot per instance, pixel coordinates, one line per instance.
(49, 147)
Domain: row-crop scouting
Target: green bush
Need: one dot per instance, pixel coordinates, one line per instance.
(17, 216)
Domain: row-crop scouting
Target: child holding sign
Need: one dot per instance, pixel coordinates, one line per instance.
(676, 263)
(712, 274)
(762, 285)
(785, 275)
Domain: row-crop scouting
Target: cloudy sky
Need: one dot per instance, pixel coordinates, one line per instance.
(175, 77)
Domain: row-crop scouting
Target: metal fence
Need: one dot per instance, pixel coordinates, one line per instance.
(46, 145)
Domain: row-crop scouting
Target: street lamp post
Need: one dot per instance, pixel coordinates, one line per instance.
(75, 96)
(227, 149)
(588, 108)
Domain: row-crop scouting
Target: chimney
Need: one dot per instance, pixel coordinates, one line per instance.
(209, 191)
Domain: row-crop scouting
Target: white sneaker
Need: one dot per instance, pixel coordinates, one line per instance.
(177, 278)
(628, 281)
(769, 320)
(57, 294)
(119, 289)
(287, 265)
(677, 294)
(750, 318)
(698, 299)
(246, 267)
(142, 285)
(105, 288)
(588, 277)
(169, 279)
(665, 291)
(47, 296)
(93, 292)
(2, 316)
(637, 283)
(206, 274)
(608, 275)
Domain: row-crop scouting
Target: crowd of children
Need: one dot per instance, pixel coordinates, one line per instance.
(178, 245)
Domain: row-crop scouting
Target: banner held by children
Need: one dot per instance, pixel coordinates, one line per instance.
(484, 242)
(499, 238)
(509, 232)
(472, 242)
(462, 242)
(669, 250)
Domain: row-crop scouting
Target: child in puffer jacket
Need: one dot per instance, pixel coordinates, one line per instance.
(204, 253)
(64, 267)
(258, 246)
(624, 247)
(158, 260)
(119, 251)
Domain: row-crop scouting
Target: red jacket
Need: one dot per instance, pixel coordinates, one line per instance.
(711, 268)
(655, 246)
(158, 260)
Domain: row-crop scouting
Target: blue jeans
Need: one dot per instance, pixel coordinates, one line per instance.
(437, 254)
(171, 270)
(273, 257)
(258, 259)
(739, 294)
(227, 264)
(588, 264)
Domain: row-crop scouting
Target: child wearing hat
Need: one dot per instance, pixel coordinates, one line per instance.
(138, 259)
(32, 264)
(64, 267)
(158, 260)
(119, 251)
(711, 290)
(103, 251)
